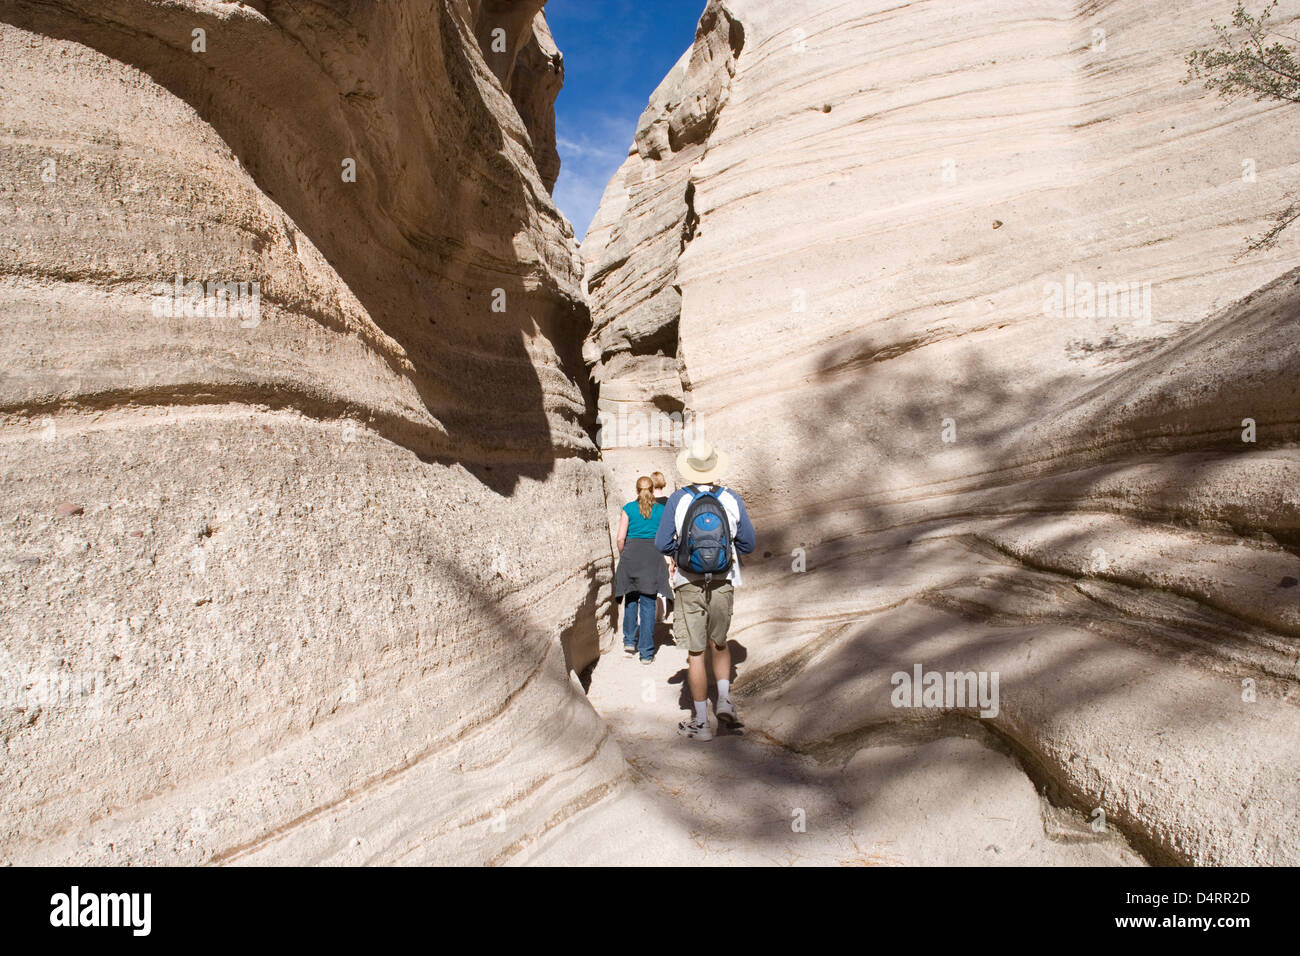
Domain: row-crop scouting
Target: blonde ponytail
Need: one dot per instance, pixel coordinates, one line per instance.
(645, 495)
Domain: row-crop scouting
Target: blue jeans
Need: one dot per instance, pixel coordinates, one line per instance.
(639, 616)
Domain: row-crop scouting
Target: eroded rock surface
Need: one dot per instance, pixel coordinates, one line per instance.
(864, 263)
(267, 591)
(319, 581)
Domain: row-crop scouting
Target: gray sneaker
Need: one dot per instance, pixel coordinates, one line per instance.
(727, 716)
(695, 730)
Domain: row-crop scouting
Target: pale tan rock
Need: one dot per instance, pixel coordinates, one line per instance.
(517, 46)
(338, 559)
(333, 577)
(536, 82)
(859, 257)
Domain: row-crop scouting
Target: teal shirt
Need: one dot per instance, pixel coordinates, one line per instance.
(638, 527)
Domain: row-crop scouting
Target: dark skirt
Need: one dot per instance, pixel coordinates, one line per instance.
(641, 569)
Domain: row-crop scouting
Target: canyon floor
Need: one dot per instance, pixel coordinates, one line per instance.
(943, 795)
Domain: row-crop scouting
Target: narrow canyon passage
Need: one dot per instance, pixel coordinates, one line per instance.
(335, 583)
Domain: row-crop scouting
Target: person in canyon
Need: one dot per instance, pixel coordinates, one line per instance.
(642, 574)
(659, 482)
(706, 527)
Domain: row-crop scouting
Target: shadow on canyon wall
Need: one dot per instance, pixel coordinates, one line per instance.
(1012, 470)
(423, 238)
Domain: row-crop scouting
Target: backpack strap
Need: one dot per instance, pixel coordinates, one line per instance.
(694, 493)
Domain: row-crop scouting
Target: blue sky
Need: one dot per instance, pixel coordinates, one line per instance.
(615, 54)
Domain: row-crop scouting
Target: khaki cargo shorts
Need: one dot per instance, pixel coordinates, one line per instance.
(702, 615)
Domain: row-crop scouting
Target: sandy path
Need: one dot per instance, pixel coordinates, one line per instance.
(743, 799)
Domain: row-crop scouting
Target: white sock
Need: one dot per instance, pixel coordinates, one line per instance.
(701, 711)
(724, 690)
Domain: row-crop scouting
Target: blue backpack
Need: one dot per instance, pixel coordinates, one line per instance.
(704, 545)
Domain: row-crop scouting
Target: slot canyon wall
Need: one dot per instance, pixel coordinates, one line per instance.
(320, 582)
(854, 242)
(269, 591)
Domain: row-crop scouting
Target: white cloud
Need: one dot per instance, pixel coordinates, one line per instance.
(578, 196)
(588, 160)
(568, 147)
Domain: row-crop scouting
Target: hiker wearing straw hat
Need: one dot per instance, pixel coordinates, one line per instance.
(704, 527)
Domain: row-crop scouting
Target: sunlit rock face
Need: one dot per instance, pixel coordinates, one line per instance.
(296, 569)
(957, 285)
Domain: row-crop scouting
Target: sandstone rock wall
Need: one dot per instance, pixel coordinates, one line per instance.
(536, 82)
(309, 583)
(517, 45)
(631, 252)
(870, 281)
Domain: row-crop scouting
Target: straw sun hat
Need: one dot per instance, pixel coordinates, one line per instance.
(702, 463)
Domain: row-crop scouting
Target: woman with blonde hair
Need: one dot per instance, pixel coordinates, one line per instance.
(641, 573)
(660, 484)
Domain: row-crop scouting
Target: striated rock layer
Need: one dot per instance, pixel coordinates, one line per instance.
(306, 581)
(860, 243)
